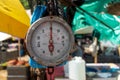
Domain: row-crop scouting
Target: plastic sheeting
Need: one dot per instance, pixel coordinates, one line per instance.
(106, 33)
(13, 18)
(96, 8)
(90, 6)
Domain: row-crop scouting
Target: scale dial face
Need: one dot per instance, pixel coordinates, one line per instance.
(49, 41)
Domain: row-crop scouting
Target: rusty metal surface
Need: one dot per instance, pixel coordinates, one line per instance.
(19, 77)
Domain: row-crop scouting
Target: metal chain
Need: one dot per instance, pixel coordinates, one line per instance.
(54, 8)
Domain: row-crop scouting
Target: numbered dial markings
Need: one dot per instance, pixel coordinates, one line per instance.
(49, 40)
(41, 37)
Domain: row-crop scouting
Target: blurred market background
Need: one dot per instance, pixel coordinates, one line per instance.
(12, 47)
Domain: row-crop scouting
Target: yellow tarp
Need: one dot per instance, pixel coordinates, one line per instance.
(13, 18)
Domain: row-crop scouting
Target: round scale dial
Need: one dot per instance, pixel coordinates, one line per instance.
(49, 41)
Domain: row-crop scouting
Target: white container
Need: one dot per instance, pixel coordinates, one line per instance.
(77, 69)
(66, 70)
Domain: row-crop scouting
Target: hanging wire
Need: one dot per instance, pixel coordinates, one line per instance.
(96, 18)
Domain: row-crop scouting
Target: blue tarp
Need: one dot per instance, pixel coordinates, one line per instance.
(38, 13)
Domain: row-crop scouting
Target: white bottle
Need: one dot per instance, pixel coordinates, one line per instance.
(77, 69)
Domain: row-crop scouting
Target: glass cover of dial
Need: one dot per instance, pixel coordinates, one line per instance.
(50, 40)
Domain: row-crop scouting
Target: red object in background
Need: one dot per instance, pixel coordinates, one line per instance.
(58, 72)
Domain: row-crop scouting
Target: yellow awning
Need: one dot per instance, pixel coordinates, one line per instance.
(13, 18)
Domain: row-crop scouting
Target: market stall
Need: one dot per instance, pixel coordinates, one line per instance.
(67, 40)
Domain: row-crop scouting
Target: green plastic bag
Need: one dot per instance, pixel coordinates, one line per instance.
(95, 5)
(90, 6)
(106, 33)
(83, 20)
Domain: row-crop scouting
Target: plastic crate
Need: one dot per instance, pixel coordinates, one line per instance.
(18, 73)
(6, 56)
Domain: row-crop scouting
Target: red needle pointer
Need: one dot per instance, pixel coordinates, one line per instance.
(51, 46)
